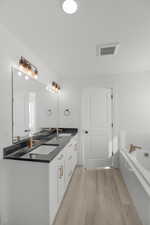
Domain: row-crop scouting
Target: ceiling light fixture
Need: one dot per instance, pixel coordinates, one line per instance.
(70, 6)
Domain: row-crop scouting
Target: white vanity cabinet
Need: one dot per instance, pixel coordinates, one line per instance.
(35, 189)
(71, 159)
(75, 154)
(53, 190)
(56, 183)
(68, 164)
(61, 171)
(61, 176)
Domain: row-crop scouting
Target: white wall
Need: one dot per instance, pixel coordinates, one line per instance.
(134, 109)
(70, 97)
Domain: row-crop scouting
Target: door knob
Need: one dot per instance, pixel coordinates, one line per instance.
(86, 132)
(27, 130)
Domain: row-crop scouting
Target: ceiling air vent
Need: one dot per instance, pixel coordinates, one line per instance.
(106, 49)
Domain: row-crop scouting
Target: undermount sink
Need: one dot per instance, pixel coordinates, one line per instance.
(57, 140)
(43, 150)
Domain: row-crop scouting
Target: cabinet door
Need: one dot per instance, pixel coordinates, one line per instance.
(75, 154)
(61, 176)
(53, 197)
(69, 164)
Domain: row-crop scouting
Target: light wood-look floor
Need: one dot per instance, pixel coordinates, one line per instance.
(97, 197)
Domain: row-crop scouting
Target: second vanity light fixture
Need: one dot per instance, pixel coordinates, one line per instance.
(54, 87)
(29, 69)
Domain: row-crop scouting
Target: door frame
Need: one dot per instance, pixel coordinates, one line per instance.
(82, 129)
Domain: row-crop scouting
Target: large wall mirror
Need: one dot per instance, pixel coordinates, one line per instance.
(33, 107)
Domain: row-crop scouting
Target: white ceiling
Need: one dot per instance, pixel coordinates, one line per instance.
(67, 43)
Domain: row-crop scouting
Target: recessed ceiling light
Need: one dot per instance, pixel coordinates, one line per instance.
(70, 6)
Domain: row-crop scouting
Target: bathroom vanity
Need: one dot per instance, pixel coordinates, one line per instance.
(38, 179)
(36, 176)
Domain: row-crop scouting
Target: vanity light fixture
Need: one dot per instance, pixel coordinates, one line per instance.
(29, 69)
(70, 6)
(53, 87)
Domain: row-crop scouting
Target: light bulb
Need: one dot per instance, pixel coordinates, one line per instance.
(26, 78)
(53, 88)
(30, 72)
(21, 67)
(70, 6)
(19, 73)
(36, 77)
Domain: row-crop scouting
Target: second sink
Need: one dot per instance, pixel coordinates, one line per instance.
(43, 150)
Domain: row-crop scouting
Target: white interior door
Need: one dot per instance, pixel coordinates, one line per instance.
(97, 127)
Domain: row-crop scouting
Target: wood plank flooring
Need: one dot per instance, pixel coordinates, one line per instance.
(97, 197)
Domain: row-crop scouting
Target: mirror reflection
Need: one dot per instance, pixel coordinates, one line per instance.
(33, 107)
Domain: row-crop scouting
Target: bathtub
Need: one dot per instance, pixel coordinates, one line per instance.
(140, 163)
(143, 158)
(135, 169)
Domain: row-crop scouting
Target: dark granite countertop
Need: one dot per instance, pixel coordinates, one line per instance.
(20, 151)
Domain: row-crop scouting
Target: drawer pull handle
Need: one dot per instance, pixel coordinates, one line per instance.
(61, 172)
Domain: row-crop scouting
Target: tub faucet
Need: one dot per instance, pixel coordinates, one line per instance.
(134, 148)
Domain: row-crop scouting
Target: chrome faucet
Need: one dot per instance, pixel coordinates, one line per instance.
(134, 148)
